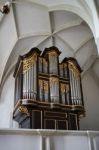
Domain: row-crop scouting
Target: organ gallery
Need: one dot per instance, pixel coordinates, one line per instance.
(48, 93)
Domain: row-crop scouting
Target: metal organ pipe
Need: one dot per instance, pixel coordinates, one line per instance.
(71, 86)
(61, 70)
(67, 94)
(74, 90)
(29, 71)
(40, 65)
(54, 90)
(35, 80)
(79, 91)
(24, 85)
(53, 63)
(32, 81)
(45, 66)
(27, 84)
(75, 86)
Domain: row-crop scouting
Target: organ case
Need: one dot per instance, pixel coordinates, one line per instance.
(48, 94)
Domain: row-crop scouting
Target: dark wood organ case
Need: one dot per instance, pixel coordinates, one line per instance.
(48, 94)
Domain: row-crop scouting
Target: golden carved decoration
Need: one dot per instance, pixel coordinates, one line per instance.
(65, 65)
(40, 59)
(28, 62)
(64, 87)
(45, 62)
(74, 69)
(43, 84)
(53, 80)
(52, 53)
(24, 110)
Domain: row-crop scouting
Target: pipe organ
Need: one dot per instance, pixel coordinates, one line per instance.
(48, 93)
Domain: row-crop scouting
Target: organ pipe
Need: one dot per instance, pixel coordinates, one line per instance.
(53, 60)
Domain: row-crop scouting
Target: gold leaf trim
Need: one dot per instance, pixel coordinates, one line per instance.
(23, 109)
(28, 62)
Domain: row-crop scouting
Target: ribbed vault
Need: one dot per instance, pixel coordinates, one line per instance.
(40, 24)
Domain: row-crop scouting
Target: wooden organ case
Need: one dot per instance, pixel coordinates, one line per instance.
(48, 94)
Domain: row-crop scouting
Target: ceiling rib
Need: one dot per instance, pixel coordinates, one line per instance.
(88, 64)
(70, 48)
(83, 43)
(37, 43)
(14, 18)
(40, 41)
(28, 35)
(69, 25)
(95, 77)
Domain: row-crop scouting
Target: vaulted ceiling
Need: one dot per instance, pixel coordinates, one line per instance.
(33, 25)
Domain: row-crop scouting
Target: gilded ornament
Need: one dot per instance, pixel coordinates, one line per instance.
(45, 85)
(64, 88)
(28, 62)
(24, 110)
(74, 69)
(53, 81)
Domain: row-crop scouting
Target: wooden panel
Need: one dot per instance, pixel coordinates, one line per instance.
(73, 124)
(62, 125)
(25, 123)
(55, 114)
(49, 124)
(36, 119)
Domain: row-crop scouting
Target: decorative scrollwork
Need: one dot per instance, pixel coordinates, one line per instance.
(45, 85)
(65, 65)
(24, 110)
(28, 62)
(41, 84)
(45, 62)
(74, 69)
(52, 53)
(64, 88)
(53, 80)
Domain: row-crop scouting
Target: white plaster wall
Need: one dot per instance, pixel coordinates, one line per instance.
(8, 38)
(7, 103)
(91, 99)
(27, 139)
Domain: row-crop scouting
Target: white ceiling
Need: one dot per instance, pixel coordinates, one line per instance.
(31, 24)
